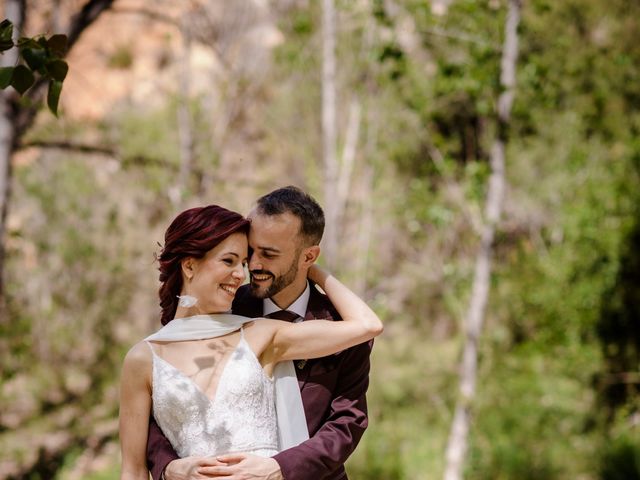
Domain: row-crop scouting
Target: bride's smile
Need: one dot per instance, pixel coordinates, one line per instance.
(214, 278)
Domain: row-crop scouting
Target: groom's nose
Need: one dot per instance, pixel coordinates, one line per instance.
(254, 262)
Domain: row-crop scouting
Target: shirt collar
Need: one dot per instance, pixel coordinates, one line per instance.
(298, 307)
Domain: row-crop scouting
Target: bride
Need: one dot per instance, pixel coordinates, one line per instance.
(218, 383)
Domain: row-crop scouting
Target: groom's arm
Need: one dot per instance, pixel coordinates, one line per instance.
(328, 449)
(159, 451)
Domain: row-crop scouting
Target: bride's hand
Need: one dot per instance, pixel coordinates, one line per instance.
(318, 275)
(188, 468)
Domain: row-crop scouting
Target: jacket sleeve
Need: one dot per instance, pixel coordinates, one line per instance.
(328, 449)
(159, 451)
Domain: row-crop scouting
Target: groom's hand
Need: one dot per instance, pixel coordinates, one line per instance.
(243, 466)
(188, 468)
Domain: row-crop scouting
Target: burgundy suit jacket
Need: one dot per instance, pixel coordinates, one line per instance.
(333, 392)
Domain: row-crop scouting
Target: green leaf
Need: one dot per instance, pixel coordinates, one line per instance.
(5, 77)
(5, 45)
(53, 96)
(57, 45)
(57, 69)
(27, 42)
(22, 79)
(6, 35)
(6, 31)
(35, 58)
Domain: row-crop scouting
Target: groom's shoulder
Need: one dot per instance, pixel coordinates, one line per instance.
(320, 306)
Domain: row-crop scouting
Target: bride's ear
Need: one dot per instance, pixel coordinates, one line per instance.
(188, 267)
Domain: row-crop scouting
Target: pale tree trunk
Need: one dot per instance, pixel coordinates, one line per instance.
(15, 11)
(185, 127)
(337, 174)
(15, 119)
(348, 158)
(330, 160)
(366, 227)
(458, 437)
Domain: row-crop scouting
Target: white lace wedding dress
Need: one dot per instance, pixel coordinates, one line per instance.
(240, 418)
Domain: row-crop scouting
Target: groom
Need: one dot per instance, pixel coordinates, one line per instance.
(286, 226)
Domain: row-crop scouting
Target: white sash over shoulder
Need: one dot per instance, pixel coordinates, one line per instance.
(292, 423)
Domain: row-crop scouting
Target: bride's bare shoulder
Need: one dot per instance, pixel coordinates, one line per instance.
(139, 356)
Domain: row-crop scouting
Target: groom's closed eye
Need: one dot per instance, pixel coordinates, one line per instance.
(269, 252)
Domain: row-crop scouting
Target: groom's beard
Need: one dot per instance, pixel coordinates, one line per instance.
(277, 283)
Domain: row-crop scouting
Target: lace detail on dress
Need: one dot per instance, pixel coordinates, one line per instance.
(240, 418)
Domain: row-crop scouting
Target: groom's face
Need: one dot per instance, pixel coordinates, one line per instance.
(275, 249)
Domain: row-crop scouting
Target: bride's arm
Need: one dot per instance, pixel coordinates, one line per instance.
(135, 407)
(317, 338)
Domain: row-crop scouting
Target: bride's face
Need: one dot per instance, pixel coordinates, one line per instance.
(214, 279)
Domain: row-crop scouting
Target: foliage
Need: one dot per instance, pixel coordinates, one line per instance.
(557, 393)
(42, 56)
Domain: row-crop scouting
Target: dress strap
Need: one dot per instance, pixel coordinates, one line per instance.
(151, 348)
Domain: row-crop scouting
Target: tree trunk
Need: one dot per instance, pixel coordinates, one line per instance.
(185, 127)
(15, 11)
(330, 160)
(458, 437)
(348, 158)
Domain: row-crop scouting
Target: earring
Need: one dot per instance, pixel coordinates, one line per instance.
(187, 300)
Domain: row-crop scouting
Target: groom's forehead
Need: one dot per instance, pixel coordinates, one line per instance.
(280, 223)
(270, 234)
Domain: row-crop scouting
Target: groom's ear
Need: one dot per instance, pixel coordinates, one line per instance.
(310, 255)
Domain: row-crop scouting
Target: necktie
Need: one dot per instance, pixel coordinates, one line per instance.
(283, 315)
(288, 316)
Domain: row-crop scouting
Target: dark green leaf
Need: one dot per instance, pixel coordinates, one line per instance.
(57, 69)
(22, 79)
(57, 45)
(53, 96)
(5, 77)
(5, 45)
(35, 58)
(6, 31)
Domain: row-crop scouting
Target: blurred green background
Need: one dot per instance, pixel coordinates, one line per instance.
(93, 191)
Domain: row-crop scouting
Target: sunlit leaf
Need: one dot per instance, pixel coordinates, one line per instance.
(57, 45)
(27, 42)
(53, 96)
(22, 79)
(58, 69)
(5, 77)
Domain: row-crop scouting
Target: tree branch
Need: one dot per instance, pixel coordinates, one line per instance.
(69, 146)
(79, 23)
(85, 17)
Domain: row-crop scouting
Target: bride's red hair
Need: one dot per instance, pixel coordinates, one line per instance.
(192, 234)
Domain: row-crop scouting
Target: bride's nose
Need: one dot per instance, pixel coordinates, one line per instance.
(238, 273)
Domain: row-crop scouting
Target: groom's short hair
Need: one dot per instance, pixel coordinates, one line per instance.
(299, 203)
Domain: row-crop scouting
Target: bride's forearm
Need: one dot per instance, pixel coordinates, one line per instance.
(350, 307)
